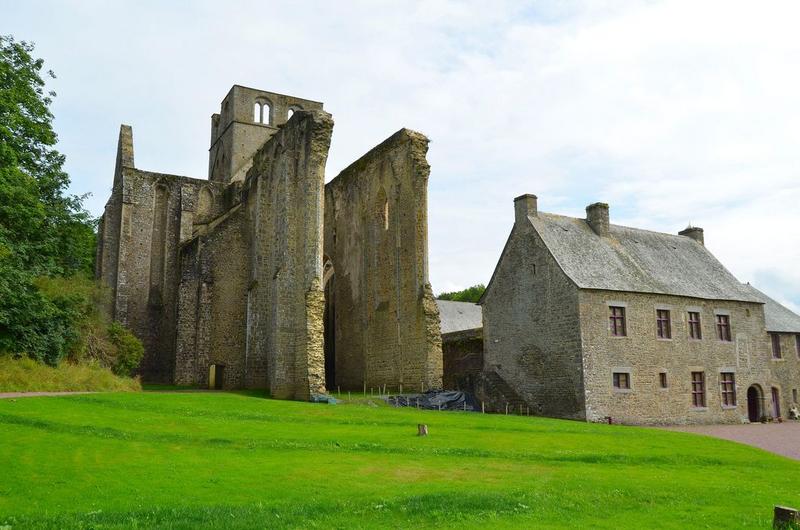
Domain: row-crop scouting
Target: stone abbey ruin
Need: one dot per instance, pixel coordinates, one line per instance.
(263, 276)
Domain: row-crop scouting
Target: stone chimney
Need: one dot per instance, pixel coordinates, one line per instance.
(695, 233)
(525, 206)
(597, 217)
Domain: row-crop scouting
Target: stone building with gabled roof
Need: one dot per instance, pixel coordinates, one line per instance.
(588, 320)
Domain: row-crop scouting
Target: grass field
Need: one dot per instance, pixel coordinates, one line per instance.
(227, 460)
(27, 375)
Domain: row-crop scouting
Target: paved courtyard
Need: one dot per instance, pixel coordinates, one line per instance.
(780, 438)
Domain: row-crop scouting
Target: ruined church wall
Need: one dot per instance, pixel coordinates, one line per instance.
(146, 218)
(211, 305)
(283, 198)
(386, 321)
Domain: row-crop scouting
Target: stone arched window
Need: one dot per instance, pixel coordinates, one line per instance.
(262, 111)
(205, 202)
(292, 110)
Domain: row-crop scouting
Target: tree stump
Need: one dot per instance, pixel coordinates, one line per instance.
(422, 429)
(785, 517)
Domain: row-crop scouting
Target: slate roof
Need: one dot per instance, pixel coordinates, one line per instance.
(459, 316)
(634, 260)
(779, 318)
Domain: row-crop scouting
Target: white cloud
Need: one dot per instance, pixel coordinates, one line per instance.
(672, 111)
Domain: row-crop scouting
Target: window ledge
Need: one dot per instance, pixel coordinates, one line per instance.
(663, 389)
(619, 336)
(729, 407)
(778, 359)
(663, 339)
(699, 409)
(623, 390)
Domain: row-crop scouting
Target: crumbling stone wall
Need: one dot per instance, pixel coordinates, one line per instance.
(531, 327)
(385, 318)
(146, 218)
(284, 196)
(211, 309)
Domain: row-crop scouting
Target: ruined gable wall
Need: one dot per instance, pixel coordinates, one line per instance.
(641, 352)
(284, 200)
(531, 327)
(386, 321)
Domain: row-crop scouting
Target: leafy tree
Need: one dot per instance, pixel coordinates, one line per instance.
(44, 232)
(470, 294)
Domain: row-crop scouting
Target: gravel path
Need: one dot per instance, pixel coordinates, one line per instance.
(779, 438)
(14, 395)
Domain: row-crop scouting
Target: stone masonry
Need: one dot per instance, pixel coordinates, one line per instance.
(227, 275)
(549, 332)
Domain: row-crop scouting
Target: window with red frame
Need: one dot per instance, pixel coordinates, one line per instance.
(724, 328)
(617, 318)
(727, 383)
(694, 326)
(663, 324)
(699, 389)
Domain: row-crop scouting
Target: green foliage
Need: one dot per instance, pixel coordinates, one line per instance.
(224, 460)
(27, 375)
(44, 232)
(470, 294)
(129, 349)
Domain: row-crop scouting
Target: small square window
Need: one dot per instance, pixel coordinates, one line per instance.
(662, 379)
(694, 326)
(797, 344)
(663, 324)
(617, 321)
(622, 380)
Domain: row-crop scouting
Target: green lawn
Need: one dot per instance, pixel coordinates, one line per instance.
(227, 460)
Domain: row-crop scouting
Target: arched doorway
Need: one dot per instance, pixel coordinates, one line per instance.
(776, 403)
(754, 400)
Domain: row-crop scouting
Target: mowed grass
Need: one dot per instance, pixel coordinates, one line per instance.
(237, 460)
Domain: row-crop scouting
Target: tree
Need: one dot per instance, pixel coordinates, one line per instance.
(470, 294)
(44, 232)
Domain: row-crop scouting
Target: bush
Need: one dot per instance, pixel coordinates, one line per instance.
(129, 349)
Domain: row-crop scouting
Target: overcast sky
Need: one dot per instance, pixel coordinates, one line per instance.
(672, 112)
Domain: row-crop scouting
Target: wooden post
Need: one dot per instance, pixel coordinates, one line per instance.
(483, 407)
(422, 386)
(785, 517)
(401, 388)
(465, 406)
(365, 389)
(506, 409)
(348, 395)
(339, 390)
(422, 429)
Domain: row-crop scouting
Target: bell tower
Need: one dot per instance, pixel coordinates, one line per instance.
(247, 118)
